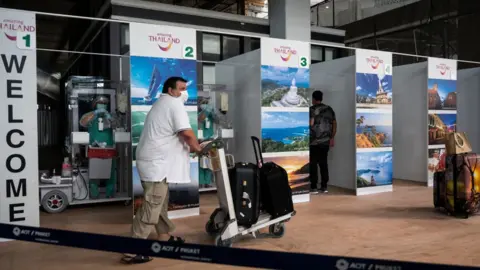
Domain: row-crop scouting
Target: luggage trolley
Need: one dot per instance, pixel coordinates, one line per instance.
(222, 223)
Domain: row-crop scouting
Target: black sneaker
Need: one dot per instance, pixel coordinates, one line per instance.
(313, 191)
(323, 190)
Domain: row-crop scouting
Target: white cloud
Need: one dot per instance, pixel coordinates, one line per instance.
(139, 92)
(359, 88)
(384, 84)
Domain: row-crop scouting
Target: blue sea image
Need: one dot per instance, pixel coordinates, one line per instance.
(378, 165)
(283, 134)
(149, 73)
(285, 126)
(283, 76)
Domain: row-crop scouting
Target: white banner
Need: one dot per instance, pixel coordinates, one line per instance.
(19, 195)
(284, 53)
(443, 69)
(373, 62)
(152, 40)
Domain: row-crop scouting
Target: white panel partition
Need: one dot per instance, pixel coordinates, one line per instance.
(336, 79)
(242, 74)
(409, 122)
(468, 109)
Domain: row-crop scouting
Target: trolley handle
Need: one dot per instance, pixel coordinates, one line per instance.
(257, 149)
(209, 145)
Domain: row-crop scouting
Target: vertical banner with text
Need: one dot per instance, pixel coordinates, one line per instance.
(285, 79)
(19, 196)
(442, 110)
(158, 52)
(373, 124)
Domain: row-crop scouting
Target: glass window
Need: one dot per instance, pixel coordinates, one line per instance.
(208, 74)
(124, 35)
(317, 53)
(328, 54)
(211, 44)
(230, 46)
(255, 44)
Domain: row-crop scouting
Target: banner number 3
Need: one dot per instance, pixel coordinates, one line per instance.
(303, 62)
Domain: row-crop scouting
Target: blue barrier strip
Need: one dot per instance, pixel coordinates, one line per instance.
(205, 253)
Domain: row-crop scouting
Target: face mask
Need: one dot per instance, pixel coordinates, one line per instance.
(101, 106)
(184, 96)
(207, 108)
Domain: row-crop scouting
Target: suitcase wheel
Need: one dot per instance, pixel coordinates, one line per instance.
(277, 230)
(223, 243)
(210, 228)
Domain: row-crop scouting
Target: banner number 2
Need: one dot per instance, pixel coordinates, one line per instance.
(188, 52)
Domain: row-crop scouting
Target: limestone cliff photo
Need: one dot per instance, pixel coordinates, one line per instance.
(373, 129)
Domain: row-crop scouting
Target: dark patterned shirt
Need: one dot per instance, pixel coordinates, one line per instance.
(322, 129)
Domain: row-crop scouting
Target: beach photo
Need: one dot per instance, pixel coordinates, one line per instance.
(138, 121)
(436, 162)
(373, 129)
(373, 90)
(374, 169)
(149, 73)
(297, 168)
(285, 131)
(439, 125)
(285, 87)
(182, 196)
(442, 94)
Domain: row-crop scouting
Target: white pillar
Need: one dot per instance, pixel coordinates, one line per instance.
(290, 19)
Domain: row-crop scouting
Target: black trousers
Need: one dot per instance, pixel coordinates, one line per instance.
(319, 158)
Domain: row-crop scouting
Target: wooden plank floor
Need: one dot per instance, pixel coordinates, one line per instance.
(401, 225)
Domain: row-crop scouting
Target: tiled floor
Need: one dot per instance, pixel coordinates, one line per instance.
(401, 225)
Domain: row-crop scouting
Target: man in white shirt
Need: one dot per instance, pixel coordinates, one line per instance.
(162, 157)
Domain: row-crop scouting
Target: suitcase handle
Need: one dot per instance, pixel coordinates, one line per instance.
(257, 149)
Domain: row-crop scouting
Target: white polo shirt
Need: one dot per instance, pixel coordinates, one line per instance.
(161, 153)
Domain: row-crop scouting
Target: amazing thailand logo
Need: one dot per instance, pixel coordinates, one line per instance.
(285, 52)
(164, 41)
(11, 27)
(374, 62)
(443, 68)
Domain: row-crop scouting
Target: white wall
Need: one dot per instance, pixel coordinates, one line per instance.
(410, 115)
(468, 109)
(242, 75)
(336, 79)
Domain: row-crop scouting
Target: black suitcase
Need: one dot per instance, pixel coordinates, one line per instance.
(276, 194)
(439, 189)
(244, 182)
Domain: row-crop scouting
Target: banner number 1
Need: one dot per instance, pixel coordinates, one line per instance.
(26, 41)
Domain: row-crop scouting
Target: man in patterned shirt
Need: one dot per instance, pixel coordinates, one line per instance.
(323, 126)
